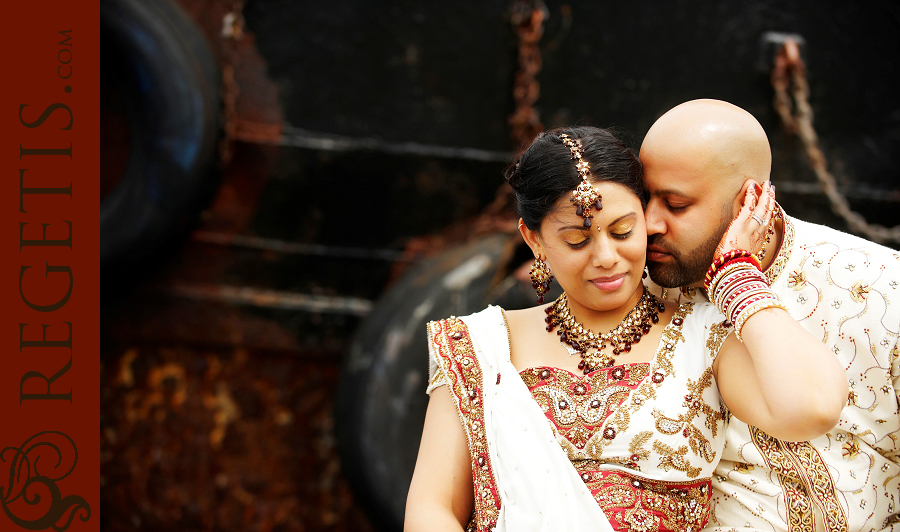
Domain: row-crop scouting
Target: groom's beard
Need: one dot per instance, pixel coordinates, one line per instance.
(689, 266)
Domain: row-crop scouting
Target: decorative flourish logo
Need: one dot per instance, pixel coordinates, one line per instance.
(33, 476)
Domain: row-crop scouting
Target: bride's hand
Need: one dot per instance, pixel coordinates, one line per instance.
(748, 230)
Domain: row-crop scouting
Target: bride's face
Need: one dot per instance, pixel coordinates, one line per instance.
(599, 268)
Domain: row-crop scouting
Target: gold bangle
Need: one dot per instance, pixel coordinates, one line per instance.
(753, 309)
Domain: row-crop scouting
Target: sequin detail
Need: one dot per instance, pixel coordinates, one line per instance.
(639, 504)
(463, 373)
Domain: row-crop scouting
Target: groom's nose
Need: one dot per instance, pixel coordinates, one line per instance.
(655, 223)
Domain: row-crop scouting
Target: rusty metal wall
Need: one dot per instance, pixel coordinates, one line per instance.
(216, 409)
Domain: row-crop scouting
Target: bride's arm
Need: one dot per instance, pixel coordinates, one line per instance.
(440, 495)
(781, 379)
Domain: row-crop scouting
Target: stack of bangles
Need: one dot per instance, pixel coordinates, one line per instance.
(738, 288)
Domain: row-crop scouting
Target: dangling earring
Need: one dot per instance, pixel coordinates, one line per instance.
(540, 278)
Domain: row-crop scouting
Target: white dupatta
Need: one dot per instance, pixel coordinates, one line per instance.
(538, 487)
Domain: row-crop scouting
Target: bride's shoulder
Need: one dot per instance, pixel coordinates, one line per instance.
(525, 317)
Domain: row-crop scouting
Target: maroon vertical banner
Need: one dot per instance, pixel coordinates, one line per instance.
(49, 275)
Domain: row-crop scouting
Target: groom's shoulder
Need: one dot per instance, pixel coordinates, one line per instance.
(808, 234)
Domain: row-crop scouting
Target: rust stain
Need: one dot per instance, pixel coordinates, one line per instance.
(225, 411)
(126, 375)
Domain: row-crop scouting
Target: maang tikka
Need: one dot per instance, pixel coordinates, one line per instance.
(585, 197)
(540, 278)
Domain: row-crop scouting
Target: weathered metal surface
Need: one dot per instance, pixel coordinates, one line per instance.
(442, 74)
(206, 440)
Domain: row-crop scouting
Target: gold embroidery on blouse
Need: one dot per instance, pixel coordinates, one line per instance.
(588, 412)
(676, 459)
(578, 406)
(459, 363)
(636, 447)
(660, 369)
(635, 503)
(437, 377)
(717, 334)
(684, 423)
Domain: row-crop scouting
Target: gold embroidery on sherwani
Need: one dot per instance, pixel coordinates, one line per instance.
(799, 505)
(845, 292)
(799, 464)
(784, 252)
(459, 364)
(797, 279)
(859, 291)
(821, 482)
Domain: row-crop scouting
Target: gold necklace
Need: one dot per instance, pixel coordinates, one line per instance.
(581, 340)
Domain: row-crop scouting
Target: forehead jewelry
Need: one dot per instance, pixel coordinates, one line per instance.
(585, 197)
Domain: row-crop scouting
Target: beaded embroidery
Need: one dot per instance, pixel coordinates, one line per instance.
(578, 406)
(639, 504)
(460, 366)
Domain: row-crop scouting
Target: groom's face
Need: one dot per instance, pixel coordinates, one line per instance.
(686, 218)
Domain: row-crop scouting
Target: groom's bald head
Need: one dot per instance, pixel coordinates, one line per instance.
(722, 139)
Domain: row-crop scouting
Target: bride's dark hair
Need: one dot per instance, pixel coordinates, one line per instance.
(545, 171)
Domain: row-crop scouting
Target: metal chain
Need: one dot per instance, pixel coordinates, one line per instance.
(527, 19)
(792, 105)
(232, 32)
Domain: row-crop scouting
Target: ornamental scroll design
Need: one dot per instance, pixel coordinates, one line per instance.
(35, 467)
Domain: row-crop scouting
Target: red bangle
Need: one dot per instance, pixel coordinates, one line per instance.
(735, 254)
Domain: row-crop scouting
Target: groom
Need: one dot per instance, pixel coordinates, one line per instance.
(699, 159)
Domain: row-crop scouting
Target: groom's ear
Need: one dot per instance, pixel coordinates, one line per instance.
(742, 193)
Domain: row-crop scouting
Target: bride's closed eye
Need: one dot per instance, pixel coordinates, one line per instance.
(577, 245)
(623, 229)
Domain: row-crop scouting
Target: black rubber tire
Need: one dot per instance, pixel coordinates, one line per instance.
(380, 408)
(170, 82)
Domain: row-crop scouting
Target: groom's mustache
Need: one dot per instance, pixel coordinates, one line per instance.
(657, 242)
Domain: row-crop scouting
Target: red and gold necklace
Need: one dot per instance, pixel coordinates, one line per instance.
(590, 345)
